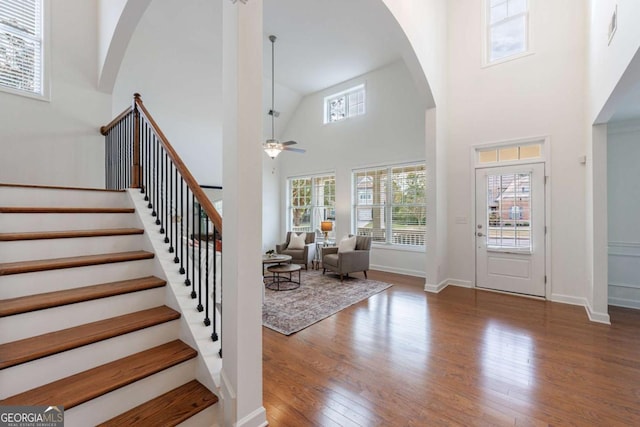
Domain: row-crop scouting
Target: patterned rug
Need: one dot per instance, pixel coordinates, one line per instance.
(317, 298)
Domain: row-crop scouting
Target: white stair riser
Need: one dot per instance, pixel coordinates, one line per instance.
(26, 376)
(29, 250)
(49, 197)
(16, 223)
(17, 285)
(54, 319)
(121, 400)
(206, 418)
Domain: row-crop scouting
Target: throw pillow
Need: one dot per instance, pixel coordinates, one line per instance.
(347, 244)
(297, 241)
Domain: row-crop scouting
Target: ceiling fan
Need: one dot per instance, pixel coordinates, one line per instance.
(272, 146)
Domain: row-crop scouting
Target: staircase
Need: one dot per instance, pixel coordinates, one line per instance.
(85, 321)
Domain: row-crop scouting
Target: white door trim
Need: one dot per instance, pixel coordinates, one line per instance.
(546, 159)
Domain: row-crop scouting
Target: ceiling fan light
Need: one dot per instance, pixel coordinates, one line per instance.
(272, 148)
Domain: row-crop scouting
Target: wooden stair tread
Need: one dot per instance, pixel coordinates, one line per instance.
(67, 234)
(55, 187)
(62, 210)
(28, 349)
(169, 409)
(70, 262)
(42, 301)
(95, 382)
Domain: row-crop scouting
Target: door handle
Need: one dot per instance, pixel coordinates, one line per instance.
(480, 234)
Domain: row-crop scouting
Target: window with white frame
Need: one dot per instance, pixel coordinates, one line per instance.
(21, 46)
(311, 200)
(390, 204)
(340, 106)
(507, 28)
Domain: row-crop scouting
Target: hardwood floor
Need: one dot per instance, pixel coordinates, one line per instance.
(461, 357)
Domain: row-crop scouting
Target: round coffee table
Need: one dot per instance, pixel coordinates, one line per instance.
(280, 282)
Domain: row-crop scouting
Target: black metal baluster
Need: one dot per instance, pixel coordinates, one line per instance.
(141, 175)
(170, 221)
(193, 250)
(200, 308)
(214, 334)
(165, 192)
(174, 221)
(187, 282)
(156, 171)
(150, 168)
(181, 226)
(207, 321)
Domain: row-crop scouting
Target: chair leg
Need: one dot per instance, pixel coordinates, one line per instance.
(323, 270)
(365, 274)
(340, 277)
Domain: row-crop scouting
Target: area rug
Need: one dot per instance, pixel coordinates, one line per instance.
(318, 297)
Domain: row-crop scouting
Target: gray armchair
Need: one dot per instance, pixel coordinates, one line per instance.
(299, 256)
(344, 263)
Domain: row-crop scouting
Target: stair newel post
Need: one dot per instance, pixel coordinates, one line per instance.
(200, 308)
(135, 170)
(194, 220)
(181, 226)
(207, 321)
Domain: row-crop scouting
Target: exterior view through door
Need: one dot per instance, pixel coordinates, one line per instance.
(510, 229)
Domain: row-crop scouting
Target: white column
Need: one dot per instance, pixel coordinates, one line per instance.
(242, 224)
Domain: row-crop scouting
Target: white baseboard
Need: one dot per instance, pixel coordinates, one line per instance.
(405, 271)
(594, 316)
(624, 302)
(461, 283)
(447, 282)
(434, 289)
(257, 418)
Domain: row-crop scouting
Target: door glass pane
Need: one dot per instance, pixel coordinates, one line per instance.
(509, 211)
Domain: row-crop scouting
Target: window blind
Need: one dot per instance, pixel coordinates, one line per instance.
(21, 45)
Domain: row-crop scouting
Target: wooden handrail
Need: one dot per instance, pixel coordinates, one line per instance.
(202, 198)
(104, 130)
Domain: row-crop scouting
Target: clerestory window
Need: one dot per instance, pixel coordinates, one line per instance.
(507, 24)
(342, 105)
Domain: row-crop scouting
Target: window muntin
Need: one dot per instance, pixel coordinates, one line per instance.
(21, 46)
(311, 200)
(345, 104)
(507, 28)
(391, 198)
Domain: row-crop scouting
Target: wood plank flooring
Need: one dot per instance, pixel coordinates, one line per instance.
(462, 357)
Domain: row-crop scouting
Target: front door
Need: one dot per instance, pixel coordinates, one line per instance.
(510, 229)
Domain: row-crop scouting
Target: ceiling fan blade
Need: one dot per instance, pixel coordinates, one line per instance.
(295, 150)
(288, 143)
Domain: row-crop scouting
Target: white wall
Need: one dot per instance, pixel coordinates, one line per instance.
(538, 95)
(623, 152)
(608, 61)
(425, 25)
(391, 131)
(174, 60)
(57, 142)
